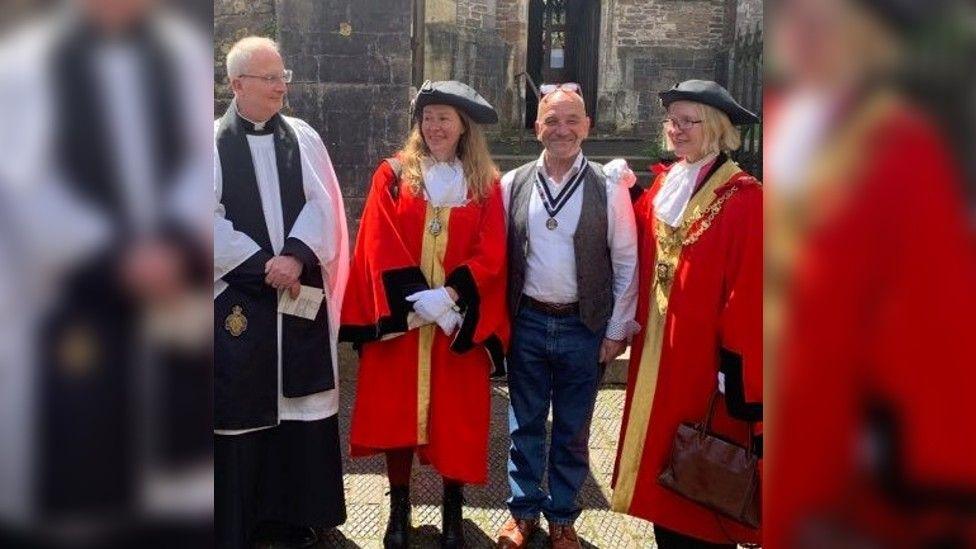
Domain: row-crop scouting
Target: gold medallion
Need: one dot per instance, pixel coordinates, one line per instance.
(236, 322)
(434, 228)
(551, 223)
(664, 273)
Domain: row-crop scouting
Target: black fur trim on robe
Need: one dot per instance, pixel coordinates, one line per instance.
(397, 285)
(730, 364)
(469, 301)
(497, 355)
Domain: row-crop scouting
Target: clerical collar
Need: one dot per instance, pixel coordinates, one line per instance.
(257, 128)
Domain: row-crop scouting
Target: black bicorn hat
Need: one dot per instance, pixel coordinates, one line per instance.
(456, 94)
(712, 94)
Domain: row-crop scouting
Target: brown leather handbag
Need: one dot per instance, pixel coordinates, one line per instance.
(714, 472)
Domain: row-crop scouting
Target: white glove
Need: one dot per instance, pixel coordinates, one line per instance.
(431, 304)
(619, 172)
(450, 321)
(721, 383)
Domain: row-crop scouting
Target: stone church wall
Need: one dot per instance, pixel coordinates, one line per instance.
(352, 64)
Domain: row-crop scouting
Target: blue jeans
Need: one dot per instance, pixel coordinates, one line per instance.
(552, 361)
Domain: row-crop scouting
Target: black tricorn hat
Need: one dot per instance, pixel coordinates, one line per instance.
(709, 93)
(458, 95)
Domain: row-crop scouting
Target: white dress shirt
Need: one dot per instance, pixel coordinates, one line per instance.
(550, 274)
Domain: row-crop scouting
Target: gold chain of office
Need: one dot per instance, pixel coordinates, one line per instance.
(708, 217)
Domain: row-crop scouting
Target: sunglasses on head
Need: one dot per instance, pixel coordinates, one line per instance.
(571, 87)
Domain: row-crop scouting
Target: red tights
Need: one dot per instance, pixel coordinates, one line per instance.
(399, 462)
(398, 465)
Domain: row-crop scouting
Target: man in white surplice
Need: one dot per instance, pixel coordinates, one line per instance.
(279, 233)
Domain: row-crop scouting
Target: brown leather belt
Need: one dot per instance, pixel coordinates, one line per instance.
(551, 309)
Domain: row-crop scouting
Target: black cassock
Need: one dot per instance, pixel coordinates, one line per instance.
(285, 470)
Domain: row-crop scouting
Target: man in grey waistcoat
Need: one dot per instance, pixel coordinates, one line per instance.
(572, 250)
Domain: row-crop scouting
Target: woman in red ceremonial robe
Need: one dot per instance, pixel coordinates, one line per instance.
(426, 304)
(700, 305)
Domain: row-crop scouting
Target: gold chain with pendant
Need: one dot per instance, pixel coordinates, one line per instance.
(671, 239)
(435, 227)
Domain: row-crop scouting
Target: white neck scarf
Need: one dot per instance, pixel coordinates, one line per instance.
(444, 182)
(671, 201)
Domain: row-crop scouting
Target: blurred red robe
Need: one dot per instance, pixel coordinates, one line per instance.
(871, 433)
(700, 307)
(416, 386)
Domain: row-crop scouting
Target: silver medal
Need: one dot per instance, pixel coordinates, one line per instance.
(551, 224)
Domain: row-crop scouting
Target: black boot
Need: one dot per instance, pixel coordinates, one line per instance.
(398, 530)
(452, 529)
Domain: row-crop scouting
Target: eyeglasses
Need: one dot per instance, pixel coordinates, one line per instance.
(284, 77)
(683, 124)
(571, 87)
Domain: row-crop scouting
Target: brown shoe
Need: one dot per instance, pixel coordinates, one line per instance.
(515, 533)
(563, 536)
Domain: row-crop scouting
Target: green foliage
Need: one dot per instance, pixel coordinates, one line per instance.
(654, 149)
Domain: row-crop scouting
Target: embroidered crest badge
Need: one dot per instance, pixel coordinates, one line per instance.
(236, 322)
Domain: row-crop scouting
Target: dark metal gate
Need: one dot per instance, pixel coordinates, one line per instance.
(745, 84)
(563, 46)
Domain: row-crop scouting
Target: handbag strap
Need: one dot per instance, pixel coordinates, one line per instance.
(706, 425)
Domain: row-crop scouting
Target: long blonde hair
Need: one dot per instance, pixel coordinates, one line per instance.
(480, 171)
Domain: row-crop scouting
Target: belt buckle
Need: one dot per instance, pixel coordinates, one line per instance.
(560, 307)
(557, 309)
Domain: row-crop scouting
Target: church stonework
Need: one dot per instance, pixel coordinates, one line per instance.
(357, 63)
(352, 65)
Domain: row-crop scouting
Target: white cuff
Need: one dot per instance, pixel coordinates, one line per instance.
(620, 331)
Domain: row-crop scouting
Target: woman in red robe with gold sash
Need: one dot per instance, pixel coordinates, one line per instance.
(700, 305)
(426, 304)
